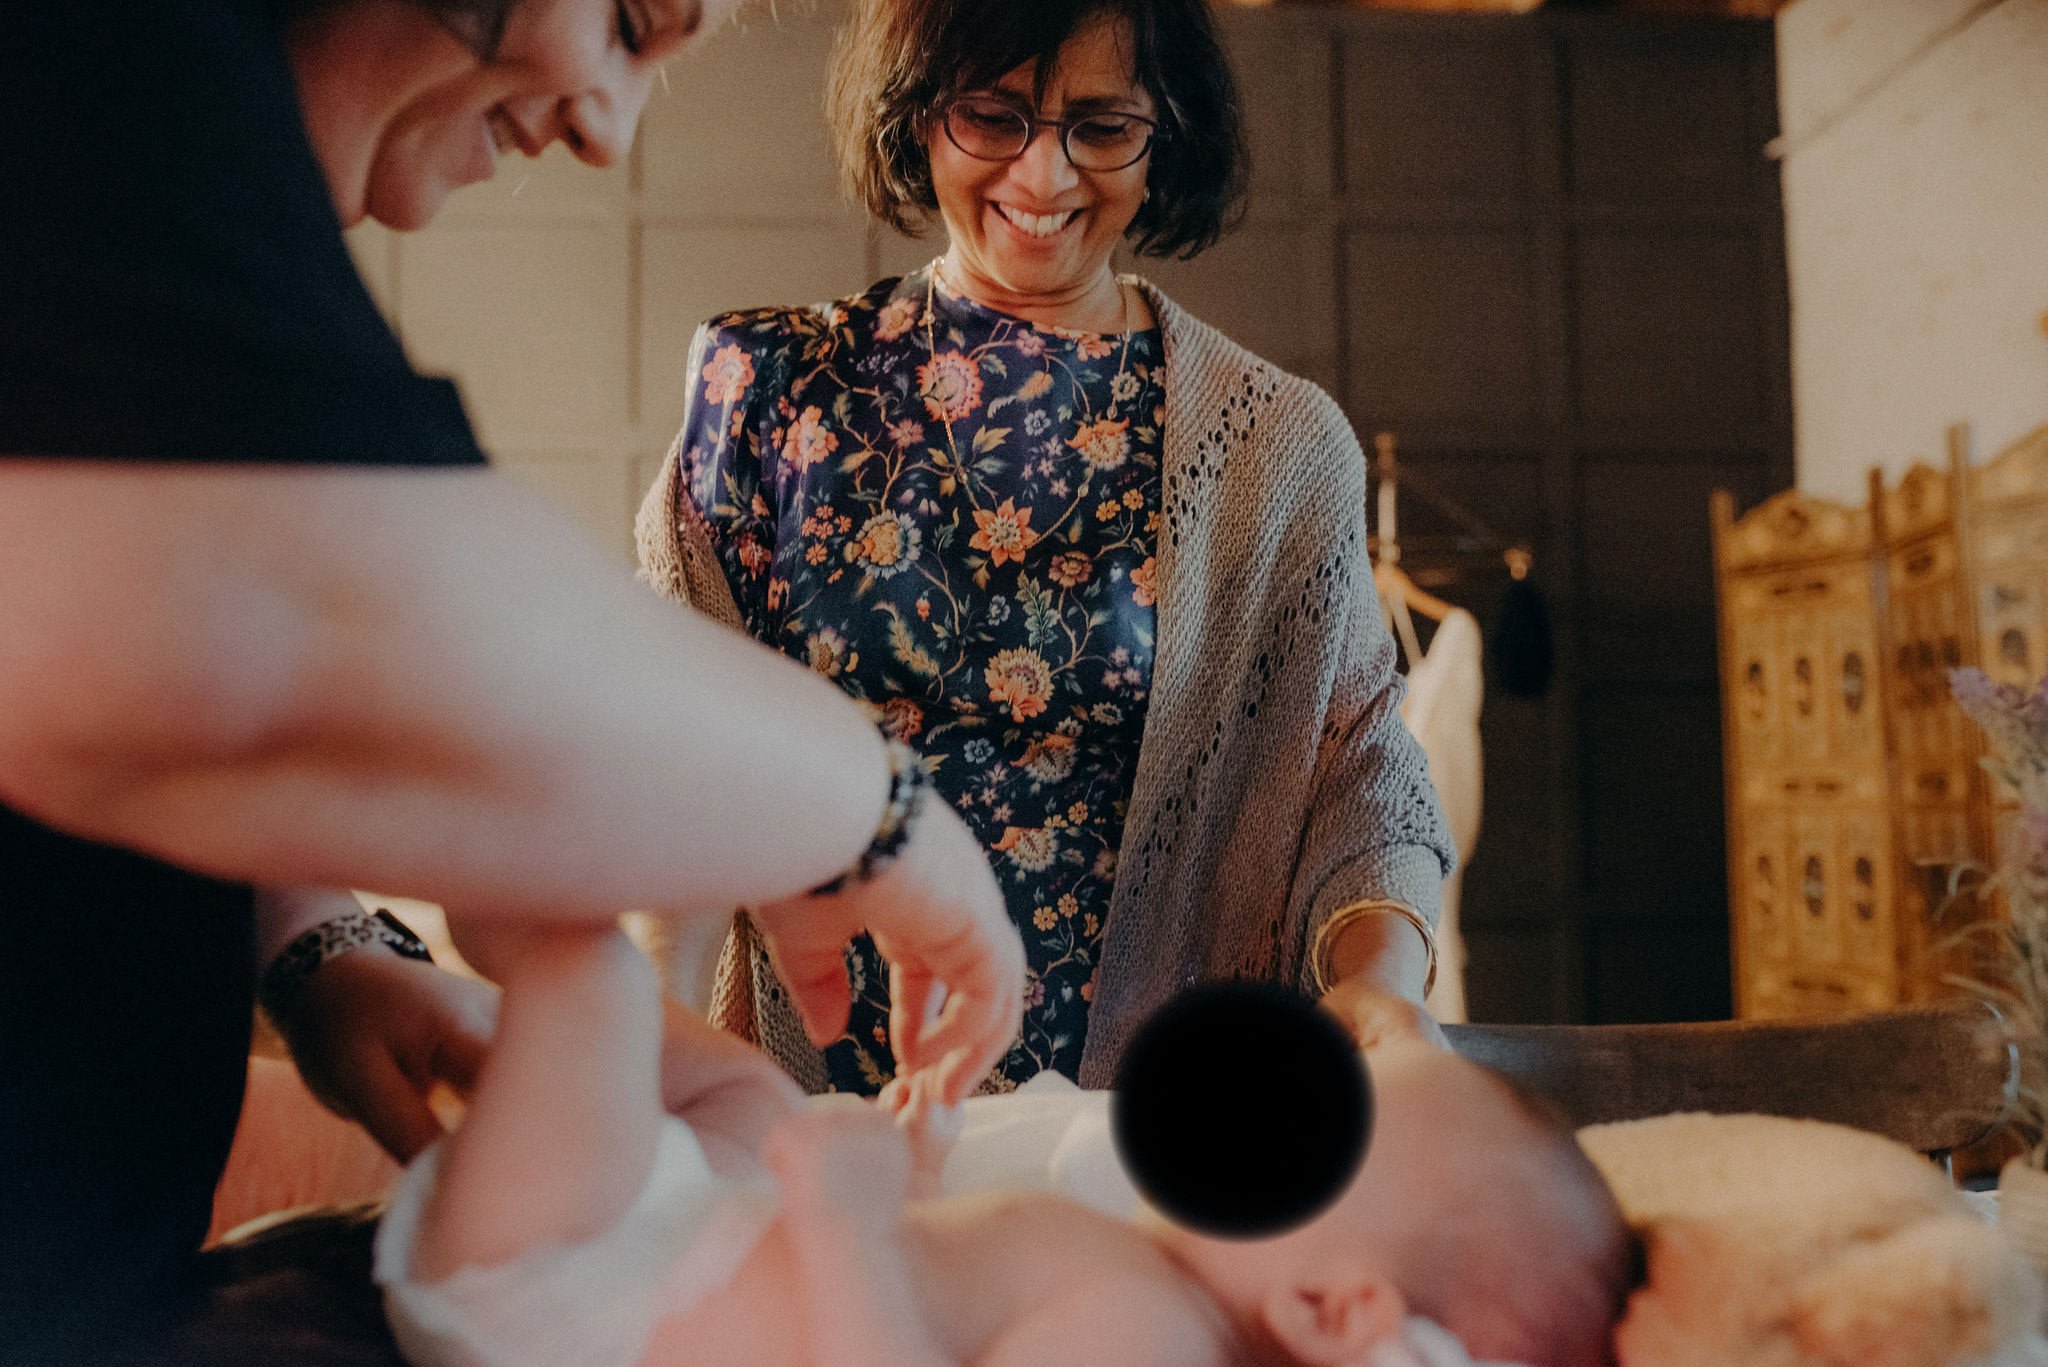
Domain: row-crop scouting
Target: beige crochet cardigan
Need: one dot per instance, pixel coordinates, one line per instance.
(1275, 781)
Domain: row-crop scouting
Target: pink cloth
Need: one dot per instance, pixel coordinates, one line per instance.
(1445, 690)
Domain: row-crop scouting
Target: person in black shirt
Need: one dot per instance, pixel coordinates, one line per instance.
(266, 617)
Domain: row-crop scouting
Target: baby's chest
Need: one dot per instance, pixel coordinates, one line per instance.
(1045, 1280)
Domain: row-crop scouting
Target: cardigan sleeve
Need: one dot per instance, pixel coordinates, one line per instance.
(1374, 827)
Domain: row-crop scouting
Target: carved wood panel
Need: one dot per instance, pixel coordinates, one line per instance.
(1810, 842)
(2008, 515)
(1855, 789)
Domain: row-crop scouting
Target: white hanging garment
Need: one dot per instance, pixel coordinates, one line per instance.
(1445, 689)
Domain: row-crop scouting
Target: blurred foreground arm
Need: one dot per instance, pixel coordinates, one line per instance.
(422, 681)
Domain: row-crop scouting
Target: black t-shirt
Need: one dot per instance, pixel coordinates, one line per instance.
(173, 287)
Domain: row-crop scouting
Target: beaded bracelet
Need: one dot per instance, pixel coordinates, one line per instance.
(908, 786)
(331, 939)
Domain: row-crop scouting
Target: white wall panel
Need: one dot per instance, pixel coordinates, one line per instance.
(1915, 220)
(591, 486)
(739, 130)
(690, 273)
(373, 247)
(532, 320)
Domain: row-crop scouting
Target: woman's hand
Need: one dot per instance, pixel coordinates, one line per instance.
(956, 964)
(1376, 1016)
(374, 1034)
(1379, 967)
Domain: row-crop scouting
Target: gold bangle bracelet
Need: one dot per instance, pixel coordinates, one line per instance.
(1343, 917)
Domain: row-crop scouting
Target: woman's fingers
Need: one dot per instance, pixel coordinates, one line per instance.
(938, 917)
(975, 1029)
(457, 1060)
(915, 998)
(977, 1022)
(464, 1038)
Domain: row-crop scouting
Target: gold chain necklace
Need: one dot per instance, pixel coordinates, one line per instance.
(931, 347)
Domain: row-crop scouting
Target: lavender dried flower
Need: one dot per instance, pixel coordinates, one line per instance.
(2015, 723)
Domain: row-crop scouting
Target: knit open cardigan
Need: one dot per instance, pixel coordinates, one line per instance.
(1276, 782)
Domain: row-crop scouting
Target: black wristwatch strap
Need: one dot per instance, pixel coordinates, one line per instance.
(331, 939)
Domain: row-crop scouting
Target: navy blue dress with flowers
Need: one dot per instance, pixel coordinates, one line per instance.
(953, 515)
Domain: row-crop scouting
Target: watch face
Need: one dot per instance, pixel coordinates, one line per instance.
(400, 937)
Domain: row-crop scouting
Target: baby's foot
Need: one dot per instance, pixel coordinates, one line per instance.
(932, 1128)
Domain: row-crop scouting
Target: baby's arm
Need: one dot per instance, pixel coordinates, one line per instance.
(844, 1174)
(560, 1135)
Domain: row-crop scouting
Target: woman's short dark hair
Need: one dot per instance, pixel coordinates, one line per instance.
(897, 60)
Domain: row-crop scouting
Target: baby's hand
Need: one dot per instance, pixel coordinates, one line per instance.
(841, 1164)
(930, 1126)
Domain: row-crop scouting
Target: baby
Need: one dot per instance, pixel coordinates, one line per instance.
(569, 1219)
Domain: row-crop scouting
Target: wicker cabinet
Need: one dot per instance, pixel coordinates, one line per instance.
(1853, 782)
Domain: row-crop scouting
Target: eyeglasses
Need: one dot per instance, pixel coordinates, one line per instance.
(994, 130)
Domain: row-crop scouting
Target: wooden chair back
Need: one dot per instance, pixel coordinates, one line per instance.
(1935, 1077)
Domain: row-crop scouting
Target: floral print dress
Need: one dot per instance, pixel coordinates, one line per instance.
(954, 516)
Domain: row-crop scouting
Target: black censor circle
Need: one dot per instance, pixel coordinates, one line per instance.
(1242, 1110)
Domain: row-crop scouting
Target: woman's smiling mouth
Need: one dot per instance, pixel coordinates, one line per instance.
(1035, 225)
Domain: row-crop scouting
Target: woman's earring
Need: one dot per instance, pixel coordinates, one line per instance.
(1145, 198)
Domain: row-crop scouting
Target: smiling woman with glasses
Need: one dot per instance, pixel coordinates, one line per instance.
(1102, 569)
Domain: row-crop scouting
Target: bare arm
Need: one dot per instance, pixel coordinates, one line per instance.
(415, 680)
(1383, 952)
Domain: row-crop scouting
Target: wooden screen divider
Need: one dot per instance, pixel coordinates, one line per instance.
(1854, 788)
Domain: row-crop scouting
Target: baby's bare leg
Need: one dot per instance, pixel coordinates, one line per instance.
(560, 1135)
(727, 1091)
